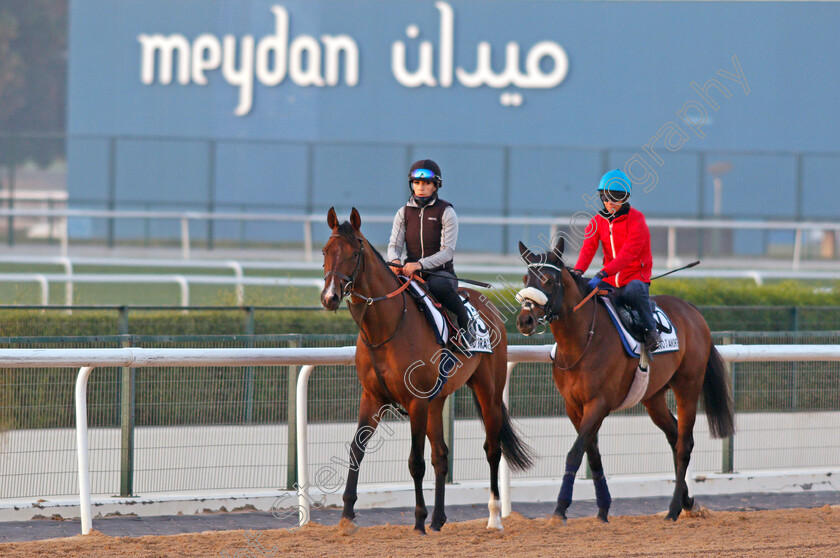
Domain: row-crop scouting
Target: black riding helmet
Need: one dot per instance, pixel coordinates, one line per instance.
(425, 169)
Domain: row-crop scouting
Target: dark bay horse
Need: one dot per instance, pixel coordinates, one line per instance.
(594, 374)
(397, 359)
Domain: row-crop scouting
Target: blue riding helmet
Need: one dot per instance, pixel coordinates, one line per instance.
(615, 181)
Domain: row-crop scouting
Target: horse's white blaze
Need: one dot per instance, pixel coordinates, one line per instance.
(495, 520)
(330, 290)
(533, 294)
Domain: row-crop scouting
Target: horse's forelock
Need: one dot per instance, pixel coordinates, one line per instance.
(346, 231)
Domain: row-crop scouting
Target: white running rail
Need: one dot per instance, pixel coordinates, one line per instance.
(89, 359)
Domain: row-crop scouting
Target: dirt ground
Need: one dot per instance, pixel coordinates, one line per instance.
(765, 534)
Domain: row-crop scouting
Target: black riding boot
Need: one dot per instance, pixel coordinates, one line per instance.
(635, 293)
(445, 289)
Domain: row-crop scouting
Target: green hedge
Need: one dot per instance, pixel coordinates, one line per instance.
(737, 305)
(717, 292)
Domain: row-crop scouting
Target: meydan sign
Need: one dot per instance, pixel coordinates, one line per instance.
(308, 62)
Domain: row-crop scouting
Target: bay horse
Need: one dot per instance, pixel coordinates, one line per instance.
(594, 374)
(397, 359)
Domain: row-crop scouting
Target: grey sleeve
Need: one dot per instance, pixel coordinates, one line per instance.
(397, 242)
(448, 240)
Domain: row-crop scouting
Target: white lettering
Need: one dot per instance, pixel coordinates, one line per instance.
(423, 75)
(532, 78)
(202, 62)
(267, 61)
(309, 62)
(312, 74)
(447, 40)
(243, 77)
(333, 47)
(166, 46)
(276, 44)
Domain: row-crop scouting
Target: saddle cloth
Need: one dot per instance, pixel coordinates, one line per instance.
(669, 343)
(668, 333)
(440, 325)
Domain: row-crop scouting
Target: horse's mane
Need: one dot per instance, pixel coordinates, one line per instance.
(581, 282)
(346, 231)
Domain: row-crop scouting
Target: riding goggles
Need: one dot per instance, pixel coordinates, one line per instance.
(614, 197)
(422, 174)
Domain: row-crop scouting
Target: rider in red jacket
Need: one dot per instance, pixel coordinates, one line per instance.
(624, 238)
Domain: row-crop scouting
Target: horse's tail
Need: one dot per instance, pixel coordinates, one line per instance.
(717, 397)
(519, 455)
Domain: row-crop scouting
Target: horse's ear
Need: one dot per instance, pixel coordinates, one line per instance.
(332, 220)
(355, 220)
(557, 252)
(524, 251)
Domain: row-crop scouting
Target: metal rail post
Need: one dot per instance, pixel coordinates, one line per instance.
(82, 448)
(303, 457)
(504, 468)
(127, 415)
(728, 454)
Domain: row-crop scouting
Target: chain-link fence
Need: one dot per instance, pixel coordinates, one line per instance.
(191, 429)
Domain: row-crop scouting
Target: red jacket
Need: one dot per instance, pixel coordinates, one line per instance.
(626, 245)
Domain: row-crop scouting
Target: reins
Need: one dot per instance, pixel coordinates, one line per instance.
(589, 337)
(348, 290)
(550, 316)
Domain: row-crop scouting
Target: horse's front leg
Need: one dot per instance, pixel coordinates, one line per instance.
(418, 414)
(602, 491)
(593, 454)
(368, 410)
(594, 413)
(440, 462)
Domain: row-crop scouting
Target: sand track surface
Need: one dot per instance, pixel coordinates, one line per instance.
(765, 534)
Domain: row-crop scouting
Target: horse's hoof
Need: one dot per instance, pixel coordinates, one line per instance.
(602, 514)
(672, 516)
(494, 526)
(690, 505)
(346, 527)
(420, 530)
(557, 520)
(436, 525)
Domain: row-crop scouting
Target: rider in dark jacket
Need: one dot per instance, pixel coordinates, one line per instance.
(623, 235)
(427, 227)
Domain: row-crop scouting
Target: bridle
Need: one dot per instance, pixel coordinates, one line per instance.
(348, 290)
(350, 280)
(550, 315)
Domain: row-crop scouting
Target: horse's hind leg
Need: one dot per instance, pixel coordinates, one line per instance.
(492, 416)
(369, 410)
(686, 415)
(681, 443)
(418, 415)
(440, 462)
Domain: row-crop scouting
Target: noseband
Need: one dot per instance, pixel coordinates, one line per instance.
(549, 314)
(350, 280)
